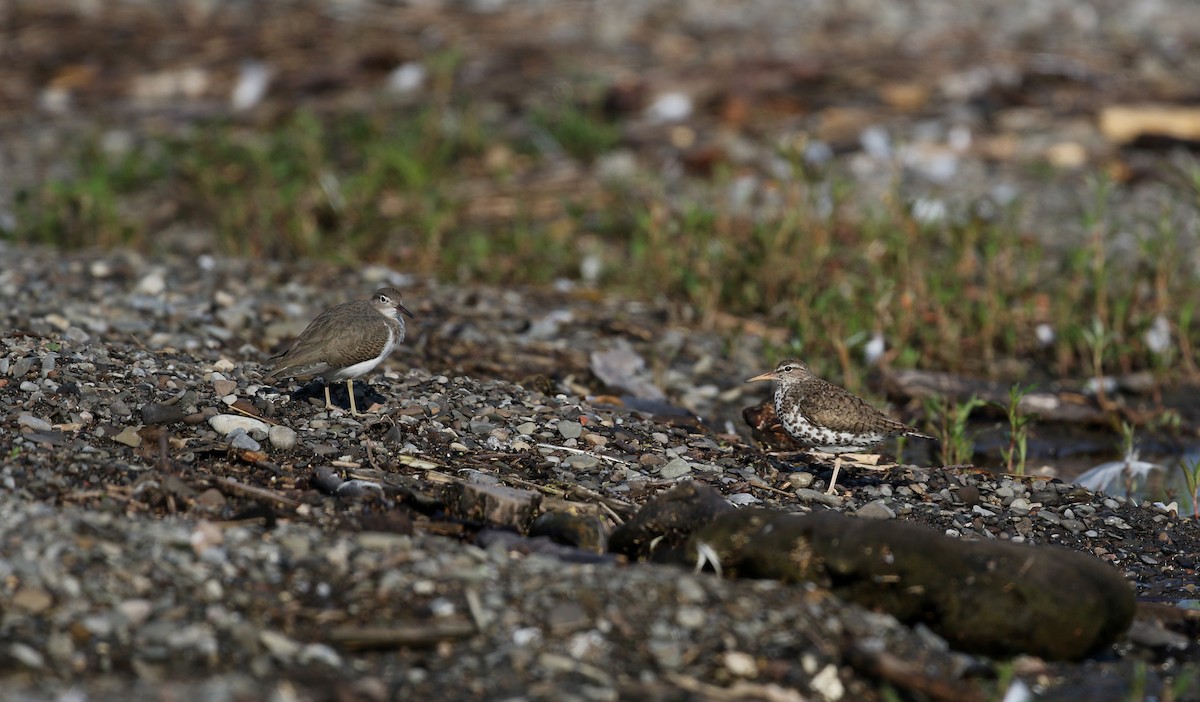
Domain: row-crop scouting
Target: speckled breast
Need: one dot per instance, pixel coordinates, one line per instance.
(813, 435)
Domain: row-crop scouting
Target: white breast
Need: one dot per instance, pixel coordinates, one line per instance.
(365, 367)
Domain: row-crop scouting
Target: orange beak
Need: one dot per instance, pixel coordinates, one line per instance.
(770, 375)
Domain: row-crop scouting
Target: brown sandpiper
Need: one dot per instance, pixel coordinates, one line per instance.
(826, 417)
(345, 341)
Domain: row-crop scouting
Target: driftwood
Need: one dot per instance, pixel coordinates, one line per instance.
(496, 505)
(991, 597)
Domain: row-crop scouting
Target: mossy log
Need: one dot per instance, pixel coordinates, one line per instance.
(996, 598)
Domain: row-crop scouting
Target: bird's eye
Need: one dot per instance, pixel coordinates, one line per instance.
(789, 368)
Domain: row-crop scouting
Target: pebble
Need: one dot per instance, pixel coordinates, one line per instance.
(800, 480)
(57, 321)
(129, 436)
(225, 424)
(526, 428)
(281, 437)
(740, 664)
(158, 413)
(690, 617)
(136, 610)
(32, 600)
(675, 468)
(581, 461)
(319, 653)
(828, 684)
(569, 429)
(152, 283)
(238, 438)
(810, 495)
(27, 655)
(876, 509)
(34, 423)
(742, 499)
(1115, 521)
(22, 367)
(280, 646)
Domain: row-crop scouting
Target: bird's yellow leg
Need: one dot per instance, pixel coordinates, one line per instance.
(837, 466)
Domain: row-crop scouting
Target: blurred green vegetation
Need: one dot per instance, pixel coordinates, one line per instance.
(441, 191)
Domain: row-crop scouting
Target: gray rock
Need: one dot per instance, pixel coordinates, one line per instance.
(570, 429)
(129, 436)
(158, 413)
(675, 468)
(876, 509)
(281, 437)
(581, 461)
(800, 480)
(34, 423)
(225, 424)
(238, 438)
(810, 495)
(742, 499)
(27, 655)
(21, 367)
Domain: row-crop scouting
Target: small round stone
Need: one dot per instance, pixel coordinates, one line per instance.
(675, 468)
(281, 437)
(225, 424)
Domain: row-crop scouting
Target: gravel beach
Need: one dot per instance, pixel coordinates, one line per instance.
(160, 543)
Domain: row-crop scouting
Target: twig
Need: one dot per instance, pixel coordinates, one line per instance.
(404, 635)
(257, 492)
(740, 690)
(417, 462)
(549, 490)
(586, 495)
(475, 607)
(612, 513)
(581, 452)
(775, 490)
(605, 502)
(247, 413)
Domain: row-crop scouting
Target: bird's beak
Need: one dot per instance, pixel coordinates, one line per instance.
(404, 309)
(765, 376)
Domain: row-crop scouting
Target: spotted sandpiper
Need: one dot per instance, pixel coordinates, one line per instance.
(345, 342)
(829, 418)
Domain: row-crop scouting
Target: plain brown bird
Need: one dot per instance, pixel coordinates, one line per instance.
(345, 342)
